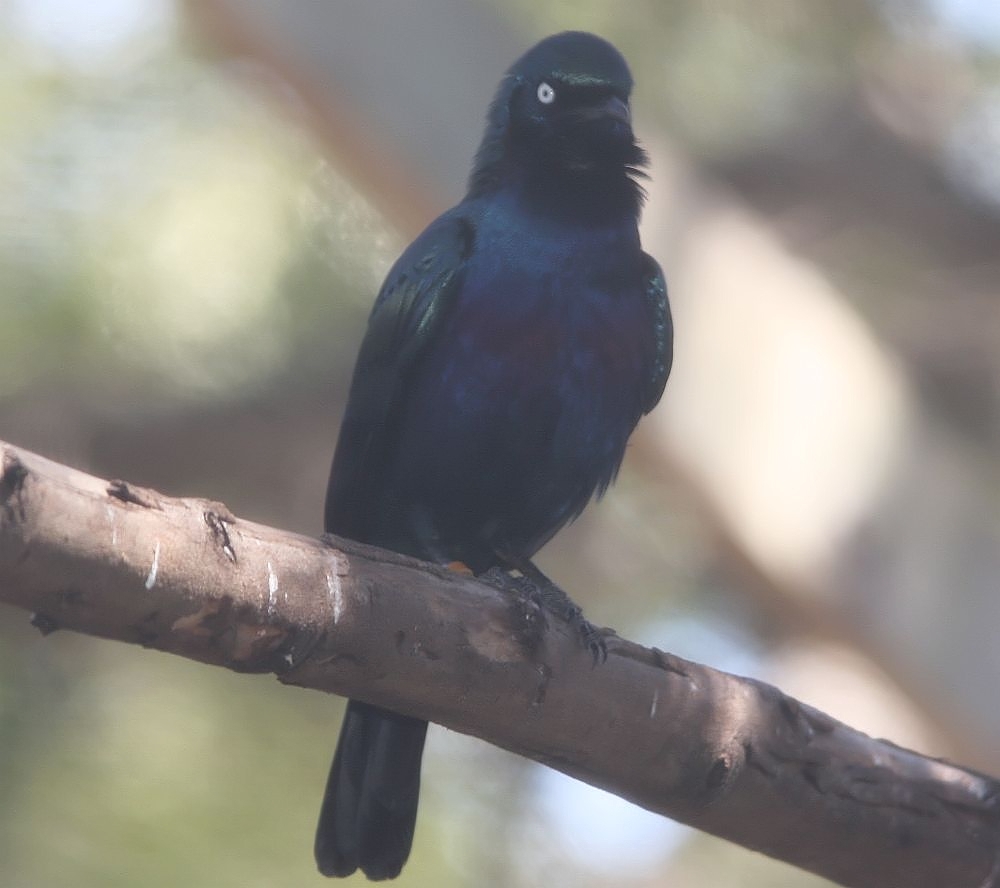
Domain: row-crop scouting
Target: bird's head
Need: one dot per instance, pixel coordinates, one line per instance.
(561, 118)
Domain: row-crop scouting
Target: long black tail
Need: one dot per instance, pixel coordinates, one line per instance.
(370, 804)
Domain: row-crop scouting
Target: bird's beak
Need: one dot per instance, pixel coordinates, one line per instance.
(616, 109)
(612, 109)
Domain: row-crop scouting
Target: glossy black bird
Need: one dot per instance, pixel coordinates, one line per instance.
(511, 351)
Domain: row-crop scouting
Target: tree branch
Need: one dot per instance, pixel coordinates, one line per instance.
(728, 755)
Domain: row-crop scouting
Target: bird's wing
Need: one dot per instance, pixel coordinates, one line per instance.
(663, 331)
(417, 293)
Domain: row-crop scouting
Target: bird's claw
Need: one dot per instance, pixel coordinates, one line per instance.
(532, 599)
(595, 639)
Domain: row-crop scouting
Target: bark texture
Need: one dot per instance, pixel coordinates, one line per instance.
(728, 755)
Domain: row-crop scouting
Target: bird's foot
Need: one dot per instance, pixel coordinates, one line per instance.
(557, 602)
(595, 639)
(533, 595)
(527, 609)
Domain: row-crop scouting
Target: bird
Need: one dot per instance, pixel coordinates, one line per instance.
(509, 354)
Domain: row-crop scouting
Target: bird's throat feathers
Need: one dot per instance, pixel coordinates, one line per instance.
(577, 188)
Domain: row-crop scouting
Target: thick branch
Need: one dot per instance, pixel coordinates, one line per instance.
(728, 755)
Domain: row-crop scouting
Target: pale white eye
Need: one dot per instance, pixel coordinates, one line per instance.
(546, 94)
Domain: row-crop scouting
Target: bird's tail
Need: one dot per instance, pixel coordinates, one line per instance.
(370, 804)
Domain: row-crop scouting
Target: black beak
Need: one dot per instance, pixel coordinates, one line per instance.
(612, 110)
(616, 109)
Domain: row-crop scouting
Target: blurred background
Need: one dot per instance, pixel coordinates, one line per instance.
(198, 201)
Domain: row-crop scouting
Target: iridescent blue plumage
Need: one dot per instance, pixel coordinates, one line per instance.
(510, 354)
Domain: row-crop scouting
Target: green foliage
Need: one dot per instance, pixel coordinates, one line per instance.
(157, 223)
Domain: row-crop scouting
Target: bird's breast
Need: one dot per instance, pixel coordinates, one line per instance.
(520, 408)
(537, 367)
(554, 309)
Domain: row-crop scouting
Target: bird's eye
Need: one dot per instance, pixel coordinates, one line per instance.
(546, 94)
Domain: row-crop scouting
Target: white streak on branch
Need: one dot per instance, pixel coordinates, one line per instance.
(154, 567)
(272, 588)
